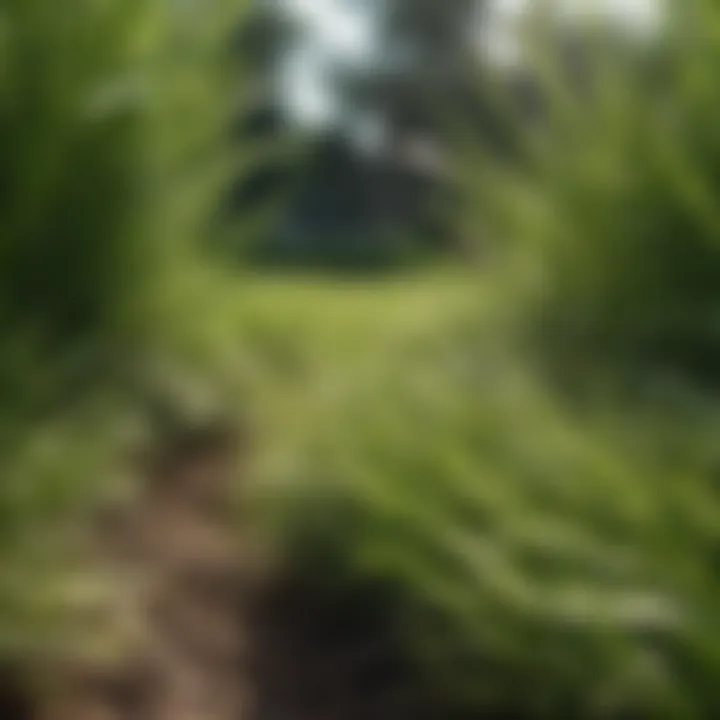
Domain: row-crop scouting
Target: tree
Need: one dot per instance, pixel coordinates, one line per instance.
(395, 199)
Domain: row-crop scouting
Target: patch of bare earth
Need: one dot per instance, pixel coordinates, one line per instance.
(214, 642)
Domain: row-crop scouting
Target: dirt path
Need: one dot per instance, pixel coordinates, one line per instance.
(214, 643)
(179, 544)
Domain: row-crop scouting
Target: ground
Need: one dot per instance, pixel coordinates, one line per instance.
(219, 635)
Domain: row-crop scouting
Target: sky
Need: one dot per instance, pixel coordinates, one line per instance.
(337, 31)
(341, 31)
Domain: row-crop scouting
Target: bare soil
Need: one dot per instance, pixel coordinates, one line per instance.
(218, 640)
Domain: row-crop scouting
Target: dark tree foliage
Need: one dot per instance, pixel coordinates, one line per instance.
(353, 208)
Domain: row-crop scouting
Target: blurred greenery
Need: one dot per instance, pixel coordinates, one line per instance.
(524, 543)
(548, 541)
(621, 229)
(114, 120)
(520, 458)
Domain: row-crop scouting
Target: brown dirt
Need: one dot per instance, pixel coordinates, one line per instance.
(190, 659)
(216, 643)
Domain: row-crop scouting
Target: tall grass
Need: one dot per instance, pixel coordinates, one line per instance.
(543, 552)
(114, 130)
(622, 227)
(518, 544)
(114, 147)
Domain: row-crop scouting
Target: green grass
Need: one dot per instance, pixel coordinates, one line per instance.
(113, 153)
(521, 542)
(538, 550)
(306, 347)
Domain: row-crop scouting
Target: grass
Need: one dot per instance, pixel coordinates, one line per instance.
(404, 446)
(112, 156)
(519, 541)
(523, 538)
(307, 347)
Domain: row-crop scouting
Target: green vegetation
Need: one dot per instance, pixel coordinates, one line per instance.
(623, 233)
(521, 461)
(113, 118)
(520, 542)
(531, 485)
